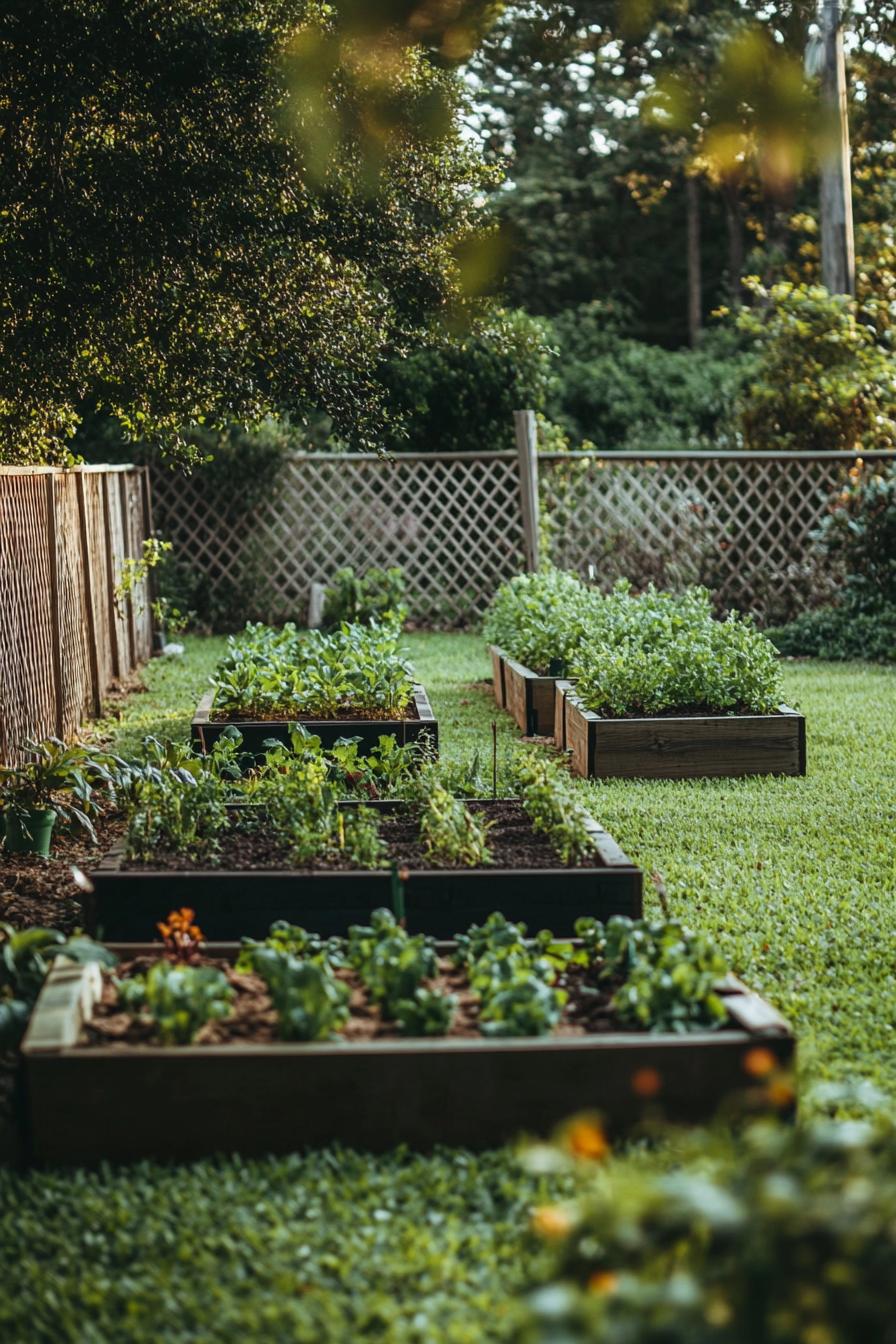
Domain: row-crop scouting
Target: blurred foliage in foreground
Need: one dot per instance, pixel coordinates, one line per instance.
(782, 1234)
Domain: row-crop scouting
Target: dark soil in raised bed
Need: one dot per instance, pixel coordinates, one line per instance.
(253, 1019)
(511, 841)
(349, 717)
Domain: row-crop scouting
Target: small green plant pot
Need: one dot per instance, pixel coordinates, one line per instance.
(29, 832)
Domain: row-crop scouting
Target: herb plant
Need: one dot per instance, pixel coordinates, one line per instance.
(179, 1000)
(391, 963)
(54, 777)
(452, 835)
(646, 653)
(554, 809)
(669, 974)
(356, 671)
(429, 1012)
(378, 594)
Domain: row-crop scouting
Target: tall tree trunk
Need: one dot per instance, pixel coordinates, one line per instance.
(838, 262)
(695, 279)
(734, 221)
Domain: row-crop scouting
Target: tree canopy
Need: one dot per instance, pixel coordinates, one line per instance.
(216, 209)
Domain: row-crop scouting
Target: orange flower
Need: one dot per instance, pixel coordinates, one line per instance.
(759, 1062)
(551, 1222)
(646, 1083)
(603, 1281)
(780, 1093)
(182, 937)
(586, 1138)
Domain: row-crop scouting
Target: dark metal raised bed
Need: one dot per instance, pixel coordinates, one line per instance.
(686, 747)
(123, 1103)
(125, 904)
(420, 726)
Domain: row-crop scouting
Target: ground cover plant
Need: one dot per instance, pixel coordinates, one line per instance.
(792, 879)
(650, 653)
(625, 975)
(357, 671)
(784, 1235)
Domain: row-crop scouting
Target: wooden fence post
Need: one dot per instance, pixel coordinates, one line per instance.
(117, 659)
(96, 690)
(55, 611)
(527, 456)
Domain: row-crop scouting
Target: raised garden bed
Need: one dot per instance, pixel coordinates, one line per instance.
(678, 746)
(123, 1102)
(528, 697)
(527, 882)
(419, 725)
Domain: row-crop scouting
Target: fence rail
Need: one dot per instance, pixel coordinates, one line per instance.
(66, 635)
(460, 523)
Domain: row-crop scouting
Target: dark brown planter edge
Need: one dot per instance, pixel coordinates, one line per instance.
(678, 748)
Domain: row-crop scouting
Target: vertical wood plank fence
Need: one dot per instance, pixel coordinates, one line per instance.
(65, 638)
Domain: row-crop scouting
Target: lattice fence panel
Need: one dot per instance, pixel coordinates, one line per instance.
(100, 577)
(72, 625)
(739, 525)
(453, 524)
(27, 683)
(56, 652)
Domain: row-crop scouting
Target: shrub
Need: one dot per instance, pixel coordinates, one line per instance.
(459, 393)
(839, 633)
(859, 533)
(621, 393)
(821, 382)
(378, 595)
(787, 1236)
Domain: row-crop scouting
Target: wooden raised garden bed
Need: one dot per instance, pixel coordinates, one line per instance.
(122, 1102)
(672, 747)
(420, 725)
(524, 694)
(126, 901)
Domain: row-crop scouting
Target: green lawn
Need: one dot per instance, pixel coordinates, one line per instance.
(796, 878)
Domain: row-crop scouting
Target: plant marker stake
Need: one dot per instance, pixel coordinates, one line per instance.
(494, 758)
(397, 894)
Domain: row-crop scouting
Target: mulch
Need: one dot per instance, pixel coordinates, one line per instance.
(253, 1020)
(44, 892)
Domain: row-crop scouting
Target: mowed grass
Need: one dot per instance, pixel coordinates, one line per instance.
(796, 879)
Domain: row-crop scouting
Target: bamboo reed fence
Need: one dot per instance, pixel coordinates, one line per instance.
(66, 633)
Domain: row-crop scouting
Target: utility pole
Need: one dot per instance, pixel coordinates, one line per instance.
(838, 261)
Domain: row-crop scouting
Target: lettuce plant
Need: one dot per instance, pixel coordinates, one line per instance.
(178, 1000)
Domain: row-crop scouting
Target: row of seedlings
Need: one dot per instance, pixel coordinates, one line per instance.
(648, 686)
(354, 680)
